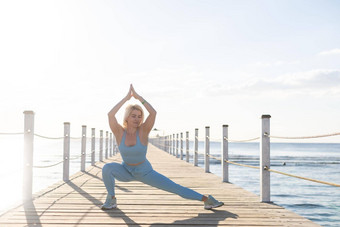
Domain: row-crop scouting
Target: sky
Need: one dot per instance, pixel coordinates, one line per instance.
(198, 63)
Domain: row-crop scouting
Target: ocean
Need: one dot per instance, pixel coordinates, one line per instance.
(317, 202)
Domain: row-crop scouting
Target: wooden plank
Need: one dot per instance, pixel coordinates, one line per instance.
(77, 202)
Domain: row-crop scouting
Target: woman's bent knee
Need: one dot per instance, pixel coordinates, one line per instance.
(108, 168)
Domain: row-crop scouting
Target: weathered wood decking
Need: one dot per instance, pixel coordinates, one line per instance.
(77, 202)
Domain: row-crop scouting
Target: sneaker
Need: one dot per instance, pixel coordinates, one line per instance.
(211, 202)
(109, 203)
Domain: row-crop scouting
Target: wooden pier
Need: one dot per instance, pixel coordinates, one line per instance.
(77, 202)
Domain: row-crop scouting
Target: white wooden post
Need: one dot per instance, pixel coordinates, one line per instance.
(177, 145)
(115, 146)
(265, 159)
(28, 155)
(196, 148)
(225, 166)
(101, 146)
(170, 144)
(111, 144)
(166, 146)
(93, 146)
(83, 149)
(106, 145)
(207, 149)
(66, 163)
(161, 142)
(174, 145)
(164, 143)
(187, 147)
(181, 145)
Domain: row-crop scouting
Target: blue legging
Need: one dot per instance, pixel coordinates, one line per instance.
(143, 173)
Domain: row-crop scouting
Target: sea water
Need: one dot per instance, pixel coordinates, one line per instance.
(317, 202)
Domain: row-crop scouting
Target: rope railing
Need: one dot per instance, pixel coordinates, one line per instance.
(58, 138)
(239, 164)
(302, 137)
(234, 163)
(303, 178)
(12, 133)
(224, 138)
(58, 163)
(48, 166)
(213, 157)
(41, 136)
(48, 137)
(241, 141)
(232, 140)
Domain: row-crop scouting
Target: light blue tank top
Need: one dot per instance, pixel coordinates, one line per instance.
(132, 154)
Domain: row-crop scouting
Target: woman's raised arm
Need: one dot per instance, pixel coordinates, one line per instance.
(116, 128)
(150, 120)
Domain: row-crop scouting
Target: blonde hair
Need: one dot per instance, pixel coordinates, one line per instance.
(129, 110)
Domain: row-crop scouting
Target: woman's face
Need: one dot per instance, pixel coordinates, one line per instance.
(134, 119)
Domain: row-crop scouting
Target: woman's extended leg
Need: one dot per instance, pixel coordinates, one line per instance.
(158, 180)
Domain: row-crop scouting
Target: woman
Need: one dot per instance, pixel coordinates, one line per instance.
(132, 138)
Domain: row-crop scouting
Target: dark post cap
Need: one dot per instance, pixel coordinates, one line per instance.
(225, 126)
(266, 116)
(28, 112)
